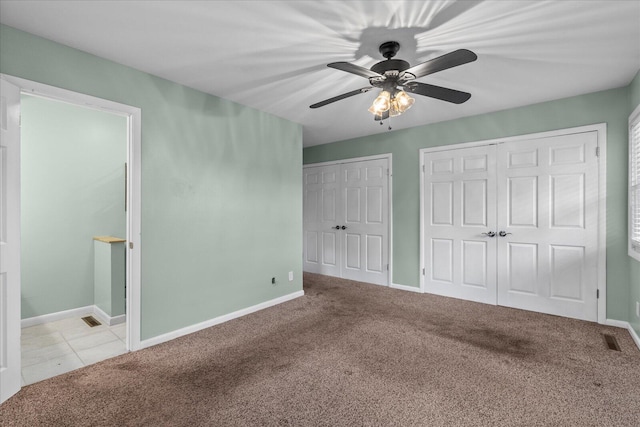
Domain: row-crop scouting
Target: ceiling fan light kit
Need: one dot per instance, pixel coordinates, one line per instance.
(395, 104)
(400, 103)
(381, 104)
(396, 77)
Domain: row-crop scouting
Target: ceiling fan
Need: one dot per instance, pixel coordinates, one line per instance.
(397, 77)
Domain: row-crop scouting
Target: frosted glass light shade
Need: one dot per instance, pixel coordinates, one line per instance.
(403, 101)
(381, 104)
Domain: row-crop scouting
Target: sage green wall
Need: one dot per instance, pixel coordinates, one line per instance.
(609, 107)
(72, 167)
(221, 186)
(634, 266)
(634, 92)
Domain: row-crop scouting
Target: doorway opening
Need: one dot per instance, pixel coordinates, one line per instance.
(73, 228)
(119, 309)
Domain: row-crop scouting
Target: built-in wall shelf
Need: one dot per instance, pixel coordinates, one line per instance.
(109, 239)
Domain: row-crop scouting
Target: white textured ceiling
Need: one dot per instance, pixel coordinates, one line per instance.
(272, 55)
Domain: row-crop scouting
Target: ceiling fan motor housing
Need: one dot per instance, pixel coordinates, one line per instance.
(389, 49)
(390, 64)
(391, 69)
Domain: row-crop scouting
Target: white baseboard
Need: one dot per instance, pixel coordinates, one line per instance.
(116, 320)
(405, 288)
(627, 326)
(106, 319)
(617, 323)
(217, 320)
(60, 315)
(74, 312)
(634, 335)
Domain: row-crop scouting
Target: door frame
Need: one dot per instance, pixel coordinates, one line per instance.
(134, 196)
(389, 158)
(601, 129)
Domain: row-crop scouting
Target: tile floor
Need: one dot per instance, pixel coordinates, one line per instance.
(54, 348)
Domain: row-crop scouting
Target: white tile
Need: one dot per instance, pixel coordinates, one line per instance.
(83, 330)
(37, 330)
(51, 368)
(33, 342)
(52, 349)
(42, 354)
(69, 323)
(120, 330)
(92, 340)
(102, 352)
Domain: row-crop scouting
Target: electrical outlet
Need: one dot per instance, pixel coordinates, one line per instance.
(637, 308)
(291, 276)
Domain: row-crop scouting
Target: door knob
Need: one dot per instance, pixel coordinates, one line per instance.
(503, 233)
(490, 234)
(337, 227)
(344, 227)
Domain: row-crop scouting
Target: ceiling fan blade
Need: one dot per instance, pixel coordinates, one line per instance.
(438, 92)
(449, 60)
(382, 117)
(339, 97)
(354, 69)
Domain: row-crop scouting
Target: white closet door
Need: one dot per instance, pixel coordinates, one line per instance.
(365, 218)
(346, 220)
(459, 216)
(548, 202)
(321, 211)
(10, 379)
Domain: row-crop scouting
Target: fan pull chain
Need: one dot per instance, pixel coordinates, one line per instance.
(382, 122)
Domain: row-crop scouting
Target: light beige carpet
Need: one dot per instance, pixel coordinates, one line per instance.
(352, 354)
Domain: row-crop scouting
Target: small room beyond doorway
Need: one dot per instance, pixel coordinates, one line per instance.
(73, 213)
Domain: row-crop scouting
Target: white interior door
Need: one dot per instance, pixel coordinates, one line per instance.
(459, 217)
(346, 220)
(365, 220)
(10, 379)
(540, 197)
(548, 198)
(321, 216)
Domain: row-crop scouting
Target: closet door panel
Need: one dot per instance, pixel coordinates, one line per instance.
(321, 210)
(366, 233)
(459, 213)
(548, 205)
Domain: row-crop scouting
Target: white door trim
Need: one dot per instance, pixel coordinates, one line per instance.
(389, 158)
(10, 363)
(601, 129)
(134, 151)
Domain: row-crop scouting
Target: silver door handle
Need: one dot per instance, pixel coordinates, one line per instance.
(490, 234)
(503, 233)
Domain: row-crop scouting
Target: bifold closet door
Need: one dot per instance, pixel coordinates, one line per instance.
(459, 217)
(548, 205)
(346, 220)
